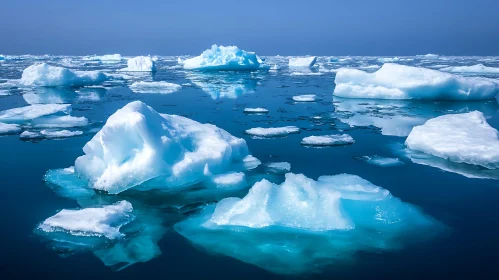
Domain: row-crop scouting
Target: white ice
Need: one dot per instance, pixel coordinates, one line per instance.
(478, 69)
(229, 180)
(48, 134)
(328, 140)
(50, 76)
(31, 112)
(140, 64)
(393, 81)
(278, 167)
(462, 138)
(304, 98)
(7, 128)
(258, 110)
(272, 131)
(308, 61)
(103, 221)
(155, 87)
(222, 58)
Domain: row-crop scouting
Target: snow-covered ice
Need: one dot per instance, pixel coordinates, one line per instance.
(477, 68)
(103, 221)
(48, 134)
(328, 140)
(220, 58)
(462, 138)
(272, 131)
(140, 64)
(278, 167)
(288, 228)
(154, 87)
(257, 110)
(43, 74)
(31, 112)
(304, 98)
(394, 81)
(308, 61)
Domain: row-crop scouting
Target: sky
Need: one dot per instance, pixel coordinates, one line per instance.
(267, 27)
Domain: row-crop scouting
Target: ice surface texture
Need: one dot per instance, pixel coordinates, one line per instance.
(393, 81)
(272, 131)
(138, 146)
(140, 64)
(463, 138)
(328, 140)
(302, 224)
(51, 76)
(220, 58)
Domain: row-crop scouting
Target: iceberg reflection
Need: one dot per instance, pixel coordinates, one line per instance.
(225, 84)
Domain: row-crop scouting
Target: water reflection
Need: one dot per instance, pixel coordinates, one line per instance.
(55, 95)
(225, 84)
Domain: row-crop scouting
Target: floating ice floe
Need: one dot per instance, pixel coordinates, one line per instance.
(478, 69)
(278, 167)
(381, 161)
(308, 61)
(462, 138)
(220, 58)
(328, 140)
(140, 64)
(255, 110)
(31, 112)
(304, 225)
(229, 180)
(142, 149)
(103, 221)
(7, 128)
(304, 98)
(393, 81)
(272, 131)
(51, 76)
(155, 87)
(49, 134)
(108, 58)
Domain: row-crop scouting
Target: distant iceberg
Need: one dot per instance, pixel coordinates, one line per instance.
(142, 149)
(303, 225)
(160, 87)
(108, 58)
(308, 61)
(477, 69)
(220, 58)
(140, 64)
(51, 76)
(393, 81)
(462, 138)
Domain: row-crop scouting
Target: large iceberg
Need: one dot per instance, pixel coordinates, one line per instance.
(462, 138)
(303, 224)
(220, 58)
(394, 81)
(308, 61)
(140, 64)
(138, 147)
(51, 76)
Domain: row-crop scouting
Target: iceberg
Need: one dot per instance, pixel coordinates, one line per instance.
(394, 81)
(328, 140)
(303, 225)
(272, 131)
(255, 110)
(140, 64)
(381, 161)
(103, 221)
(51, 76)
(462, 138)
(142, 149)
(478, 68)
(220, 58)
(155, 87)
(6, 128)
(278, 167)
(308, 61)
(304, 98)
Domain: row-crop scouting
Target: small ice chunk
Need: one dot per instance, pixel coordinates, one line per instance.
(256, 110)
(381, 161)
(155, 87)
(308, 61)
(140, 64)
(51, 76)
(222, 58)
(251, 162)
(272, 131)
(278, 167)
(328, 140)
(7, 128)
(304, 98)
(394, 81)
(463, 138)
(229, 180)
(103, 221)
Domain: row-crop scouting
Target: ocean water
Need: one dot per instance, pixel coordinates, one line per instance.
(466, 206)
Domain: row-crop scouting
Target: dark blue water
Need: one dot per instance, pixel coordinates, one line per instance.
(468, 207)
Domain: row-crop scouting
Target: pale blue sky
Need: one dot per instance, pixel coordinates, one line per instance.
(268, 27)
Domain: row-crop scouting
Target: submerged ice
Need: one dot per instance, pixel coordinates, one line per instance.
(220, 58)
(394, 81)
(303, 224)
